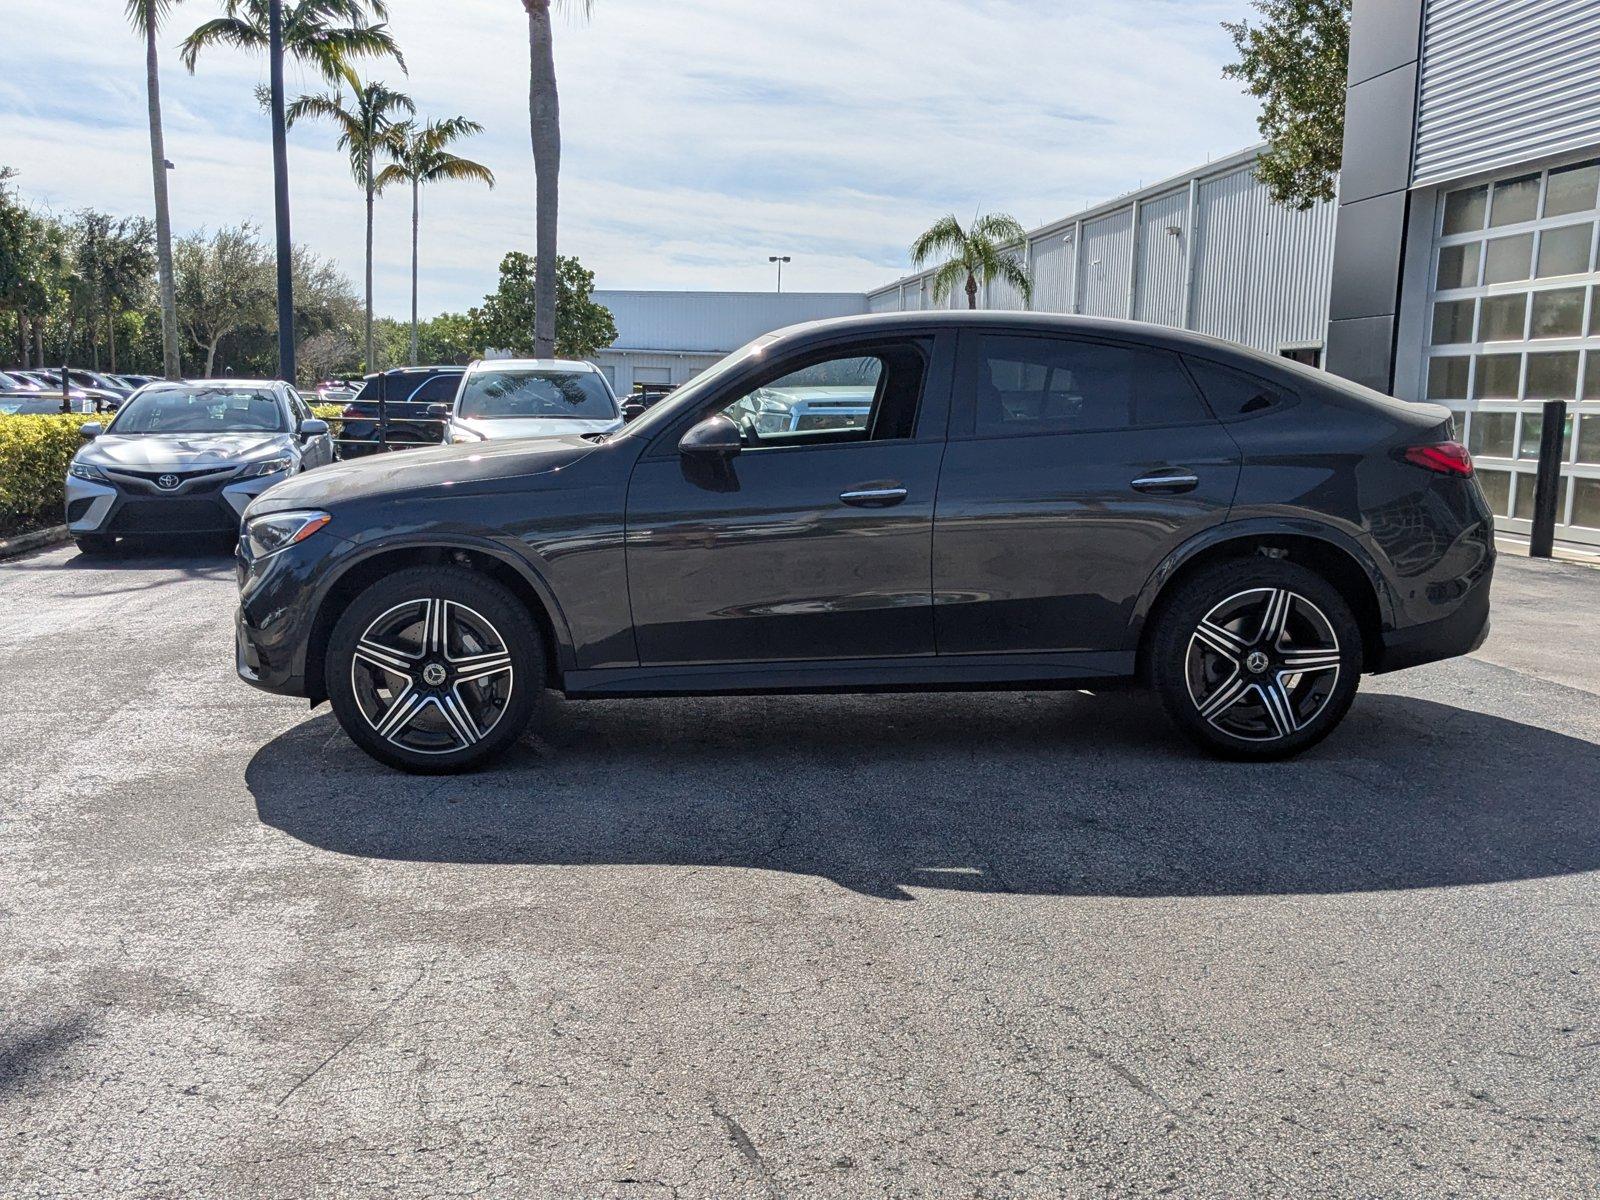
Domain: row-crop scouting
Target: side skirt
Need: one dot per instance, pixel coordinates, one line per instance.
(963, 672)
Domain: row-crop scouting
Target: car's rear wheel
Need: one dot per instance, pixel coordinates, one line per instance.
(1256, 658)
(434, 669)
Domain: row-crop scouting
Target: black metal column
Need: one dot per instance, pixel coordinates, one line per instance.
(1547, 483)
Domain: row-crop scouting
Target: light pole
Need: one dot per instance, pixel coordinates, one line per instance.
(780, 259)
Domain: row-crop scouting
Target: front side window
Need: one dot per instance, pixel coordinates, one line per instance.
(1057, 385)
(520, 393)
(441, 389)
(200, 410)
(861, 396)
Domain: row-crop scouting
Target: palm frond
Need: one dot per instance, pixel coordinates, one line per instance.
(1000, 228)
(1014, 273)
(947, 277)
(220, 31)
(944, 236)
(452, 166)
(145, 15)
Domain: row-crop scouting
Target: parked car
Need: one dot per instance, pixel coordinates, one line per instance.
(96, 399)
(409, 393)
(134, 382)
(186, 458)
(508, 398)
(337, 391)
(1033, 500)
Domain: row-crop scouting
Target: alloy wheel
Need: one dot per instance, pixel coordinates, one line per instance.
(431, 676)
(1263, 664)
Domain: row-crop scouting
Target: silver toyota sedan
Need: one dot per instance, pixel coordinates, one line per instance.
(185, 459)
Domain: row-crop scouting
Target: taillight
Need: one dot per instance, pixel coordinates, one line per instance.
(1445, 458)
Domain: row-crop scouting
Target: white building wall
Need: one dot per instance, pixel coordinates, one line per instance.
(1249, 270)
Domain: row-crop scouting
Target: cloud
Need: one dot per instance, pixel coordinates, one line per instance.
(699, 137)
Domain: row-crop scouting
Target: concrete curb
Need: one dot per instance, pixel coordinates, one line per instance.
(39, 539)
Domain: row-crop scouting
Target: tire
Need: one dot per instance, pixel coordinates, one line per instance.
(1225, 679)
(426, 704)
(95, 545)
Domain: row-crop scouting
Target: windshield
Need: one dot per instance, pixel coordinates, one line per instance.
(524, 392)
(201, 410)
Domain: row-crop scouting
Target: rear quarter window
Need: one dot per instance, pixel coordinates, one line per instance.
(1233, 394)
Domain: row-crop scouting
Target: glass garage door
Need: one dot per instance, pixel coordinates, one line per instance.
(1516, 321)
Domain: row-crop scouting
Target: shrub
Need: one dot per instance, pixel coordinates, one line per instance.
(34, 453)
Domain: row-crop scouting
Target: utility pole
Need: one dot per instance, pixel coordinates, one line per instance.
(780, 259)
(280, 191)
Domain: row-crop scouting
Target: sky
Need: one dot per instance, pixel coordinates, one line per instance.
(699, 137)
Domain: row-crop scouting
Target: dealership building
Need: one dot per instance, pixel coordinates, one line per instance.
(1458, 263)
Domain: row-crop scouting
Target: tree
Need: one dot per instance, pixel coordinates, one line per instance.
(508, 317)
(326, 35)
(326, 354)
(366, 127)
(115, 259)
(225, 285)
(1295, 62)
(544, 127)
(976, 253)
(420, 156)
(308, 31)
(448, 338)
(146, 17)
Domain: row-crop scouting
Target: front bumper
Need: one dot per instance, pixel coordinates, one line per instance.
(111, 507)
(279, 597)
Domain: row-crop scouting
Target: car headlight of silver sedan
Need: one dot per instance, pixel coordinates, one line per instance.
(270, 467)
(83, 470)
(278, 531)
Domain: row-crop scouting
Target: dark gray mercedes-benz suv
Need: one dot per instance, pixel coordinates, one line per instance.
(915, 501)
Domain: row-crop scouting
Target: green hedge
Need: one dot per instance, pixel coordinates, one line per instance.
(333, 414)
(34, 453)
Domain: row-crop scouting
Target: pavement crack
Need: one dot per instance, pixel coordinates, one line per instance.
(349, 1041)
(745, 1145)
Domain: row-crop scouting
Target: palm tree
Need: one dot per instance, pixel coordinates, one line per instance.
(311, 32)
(366, 128)
(544, 124)
(978, 251)
(323, 34)
(420, 157)
(146, 15)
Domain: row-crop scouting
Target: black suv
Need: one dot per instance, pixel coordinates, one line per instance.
(407, 393)
(1016, 500)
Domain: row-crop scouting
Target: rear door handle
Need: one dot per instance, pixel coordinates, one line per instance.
(1167, 482)
(878, 497)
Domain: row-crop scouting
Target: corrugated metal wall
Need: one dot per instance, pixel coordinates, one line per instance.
(716, 321)
(1159, 296)
(1505, 81)
(1107, 245)
(1260, 274)
(1261, 271)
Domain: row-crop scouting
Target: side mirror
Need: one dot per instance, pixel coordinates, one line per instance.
(632, 409)
(313, 427)
(439, 412)
(715, 437)
(90, 430)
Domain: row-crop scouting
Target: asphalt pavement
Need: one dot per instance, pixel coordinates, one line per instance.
(980, 945)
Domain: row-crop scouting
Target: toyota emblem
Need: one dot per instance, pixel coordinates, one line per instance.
(168, 482)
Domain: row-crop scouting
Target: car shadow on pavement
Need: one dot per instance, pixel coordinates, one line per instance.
(1038, 793)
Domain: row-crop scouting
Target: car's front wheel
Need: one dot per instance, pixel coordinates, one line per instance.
(1256, 658)
(434, 669)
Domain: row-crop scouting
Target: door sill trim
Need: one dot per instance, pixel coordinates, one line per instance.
(929, 672)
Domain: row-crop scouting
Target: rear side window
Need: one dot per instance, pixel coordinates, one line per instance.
(1059, 385)
(1233, 393)
(441, 389)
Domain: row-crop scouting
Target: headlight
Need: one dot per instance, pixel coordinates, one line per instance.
(271, 467)
(269, 534)
(82, 470)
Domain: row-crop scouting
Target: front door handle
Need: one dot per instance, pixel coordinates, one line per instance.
(877, 497)
(1167, 482)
